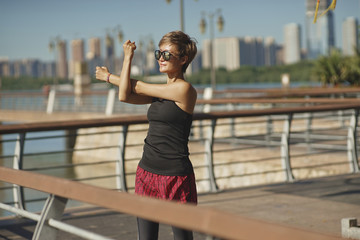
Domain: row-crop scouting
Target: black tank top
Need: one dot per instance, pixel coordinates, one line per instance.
(166, 145)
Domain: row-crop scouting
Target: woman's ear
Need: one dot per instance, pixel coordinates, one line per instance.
(184, 59)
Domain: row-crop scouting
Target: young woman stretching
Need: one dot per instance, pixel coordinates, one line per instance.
(164, 170)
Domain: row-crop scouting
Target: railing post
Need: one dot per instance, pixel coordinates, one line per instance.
(352, 142)
(18, 191)
(309, 120)
(285, 143)
(269, 129)
(51, 102)
(209, 144)
(208, 94)
(341, 114)
(110, 102)
(231, 107)
(120, 164)
(53, 209)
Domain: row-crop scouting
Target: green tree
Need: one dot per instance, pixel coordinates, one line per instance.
(337, 69)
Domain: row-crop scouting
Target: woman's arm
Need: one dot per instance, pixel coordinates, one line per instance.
(123, 81)
(181, 92)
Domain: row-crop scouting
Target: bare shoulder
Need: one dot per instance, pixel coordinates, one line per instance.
(189, 96)
(188, 89)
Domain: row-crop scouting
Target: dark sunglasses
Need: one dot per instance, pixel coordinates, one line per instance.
(165, 54)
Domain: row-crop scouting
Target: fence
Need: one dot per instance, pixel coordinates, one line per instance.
(307, 130)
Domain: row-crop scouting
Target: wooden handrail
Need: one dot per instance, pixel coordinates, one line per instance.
(198, 218)
(276, 100)
(142, 119)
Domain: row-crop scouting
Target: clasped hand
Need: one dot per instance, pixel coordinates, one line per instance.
(129, 47)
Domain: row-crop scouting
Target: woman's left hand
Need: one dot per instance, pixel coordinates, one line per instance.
(102, 73)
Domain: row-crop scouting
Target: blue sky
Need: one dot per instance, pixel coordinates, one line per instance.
(26, 26)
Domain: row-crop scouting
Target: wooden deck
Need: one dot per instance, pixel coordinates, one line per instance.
(316, 205)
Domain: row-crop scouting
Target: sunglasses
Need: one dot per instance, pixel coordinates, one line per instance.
(165, 54)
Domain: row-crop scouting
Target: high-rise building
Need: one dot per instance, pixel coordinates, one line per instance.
(62, 67)
(77, 56)
(350, 36)
(320, 36)
(231, 53)
(249, 51)
(77, 50)
(292, 43)
(94, 48)
(110, 53)
(94, 55)
(269, 51)
(226, 53)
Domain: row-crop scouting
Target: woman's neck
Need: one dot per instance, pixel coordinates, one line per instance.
(173, 77)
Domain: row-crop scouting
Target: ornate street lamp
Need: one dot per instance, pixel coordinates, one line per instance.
(220, 25)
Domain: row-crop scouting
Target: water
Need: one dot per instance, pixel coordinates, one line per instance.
(35, 144)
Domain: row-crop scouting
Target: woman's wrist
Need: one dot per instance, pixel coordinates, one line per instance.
(108, 78)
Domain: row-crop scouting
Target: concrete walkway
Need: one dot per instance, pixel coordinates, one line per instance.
(314, 205)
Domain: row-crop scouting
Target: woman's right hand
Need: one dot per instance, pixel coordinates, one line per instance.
(129, 48)
(101, 73)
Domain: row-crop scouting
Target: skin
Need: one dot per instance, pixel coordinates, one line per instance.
(133, 91)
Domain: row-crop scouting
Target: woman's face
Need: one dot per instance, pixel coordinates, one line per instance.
(174, 64)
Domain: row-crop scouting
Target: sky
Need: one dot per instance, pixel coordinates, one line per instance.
(27, 26)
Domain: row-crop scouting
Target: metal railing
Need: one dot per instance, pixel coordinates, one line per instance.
(308, 131)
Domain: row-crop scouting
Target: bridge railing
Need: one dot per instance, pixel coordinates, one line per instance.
(308, 131)
(105, 152)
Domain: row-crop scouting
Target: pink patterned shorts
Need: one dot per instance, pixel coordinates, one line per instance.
(178, 188)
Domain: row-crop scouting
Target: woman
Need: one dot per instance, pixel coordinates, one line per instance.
(164, 170)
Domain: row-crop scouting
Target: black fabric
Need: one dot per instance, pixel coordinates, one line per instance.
(166, 145)
(148, 230)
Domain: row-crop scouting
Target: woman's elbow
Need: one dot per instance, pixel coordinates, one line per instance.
(123, 97)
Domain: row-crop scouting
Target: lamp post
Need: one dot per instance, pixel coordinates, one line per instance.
(182, 27)
(182, 24)
(53, 47)
(220, 25)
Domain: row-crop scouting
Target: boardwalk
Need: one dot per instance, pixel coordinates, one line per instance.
(315, 205)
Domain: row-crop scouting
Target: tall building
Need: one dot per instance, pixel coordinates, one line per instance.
(270, 51)
(292, 43)
(350, 36)
(62, 67)
(226, 53)
(94, 48)
(94, 55)
(320, 36)
(77, 56)
(77, 50)
(110, 53)
(231, 53)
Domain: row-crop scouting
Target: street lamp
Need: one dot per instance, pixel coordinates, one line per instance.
(182, 25)
(53, 47)
(220, 25)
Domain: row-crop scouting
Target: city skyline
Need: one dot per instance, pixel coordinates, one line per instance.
(39, 22)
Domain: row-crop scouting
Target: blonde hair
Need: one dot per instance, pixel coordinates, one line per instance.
(185, 45)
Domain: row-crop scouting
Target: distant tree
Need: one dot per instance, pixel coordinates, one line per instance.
(331, 69)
